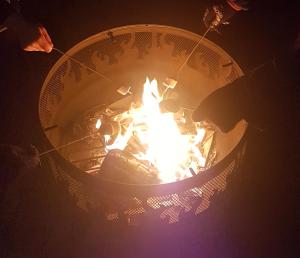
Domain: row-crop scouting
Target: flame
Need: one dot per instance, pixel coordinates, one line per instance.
(167, 147)
(172, 153)
(98, 124)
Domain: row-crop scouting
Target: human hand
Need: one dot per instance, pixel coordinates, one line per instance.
(219, 12)
(225, 107)
(27, 157)
(16, 161)
(32, 37)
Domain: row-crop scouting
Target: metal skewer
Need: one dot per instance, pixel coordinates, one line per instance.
(66, 145)
(171, 82)
(192, 52)
(82, 64)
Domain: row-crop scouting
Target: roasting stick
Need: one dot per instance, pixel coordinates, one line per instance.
(190, 55)
(82, 64)
(170, 83)
(85, 66)
(67, 144)
(91, 69)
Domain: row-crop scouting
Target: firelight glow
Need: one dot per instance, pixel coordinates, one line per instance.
(165, 147)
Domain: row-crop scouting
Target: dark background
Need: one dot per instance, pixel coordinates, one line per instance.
(256, 217)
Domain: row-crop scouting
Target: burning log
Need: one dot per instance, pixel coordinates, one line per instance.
(122, 167)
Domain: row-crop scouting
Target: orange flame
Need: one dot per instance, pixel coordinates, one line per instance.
(166, 148)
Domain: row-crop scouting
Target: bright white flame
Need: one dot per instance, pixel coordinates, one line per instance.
(106, 137)
(98, 124)
(165, 147)
(121, 140)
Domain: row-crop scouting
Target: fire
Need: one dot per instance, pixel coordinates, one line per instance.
(98, 124)
(161, 142)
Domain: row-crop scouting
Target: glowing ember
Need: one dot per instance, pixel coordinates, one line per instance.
(159, 140)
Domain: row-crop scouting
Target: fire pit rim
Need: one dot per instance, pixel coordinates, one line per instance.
(137, 189)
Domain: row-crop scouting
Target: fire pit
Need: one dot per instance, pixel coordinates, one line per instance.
(125, 142)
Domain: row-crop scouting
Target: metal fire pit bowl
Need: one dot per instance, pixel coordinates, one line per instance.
(128, 55)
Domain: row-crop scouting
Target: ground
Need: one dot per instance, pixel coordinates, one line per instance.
(256, 217)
